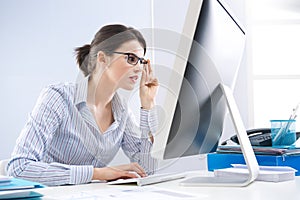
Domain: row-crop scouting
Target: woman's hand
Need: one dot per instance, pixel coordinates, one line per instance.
(148, 87)
(134, 167)
(117, 172)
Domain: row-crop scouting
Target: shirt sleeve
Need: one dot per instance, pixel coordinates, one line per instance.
(27, 157)
(136, 143)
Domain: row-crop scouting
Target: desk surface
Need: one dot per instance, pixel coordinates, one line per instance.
(288, 190)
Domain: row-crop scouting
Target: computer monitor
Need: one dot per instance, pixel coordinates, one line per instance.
(213, 44)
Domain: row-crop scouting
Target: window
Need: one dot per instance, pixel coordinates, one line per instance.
(275, 52)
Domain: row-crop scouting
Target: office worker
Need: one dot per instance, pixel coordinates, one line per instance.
(75, 130)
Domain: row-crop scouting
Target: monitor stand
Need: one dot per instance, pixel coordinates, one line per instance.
(248, 153)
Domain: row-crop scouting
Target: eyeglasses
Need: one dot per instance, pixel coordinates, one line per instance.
(132, 59)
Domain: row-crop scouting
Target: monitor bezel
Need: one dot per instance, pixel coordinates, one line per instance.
(184, 47)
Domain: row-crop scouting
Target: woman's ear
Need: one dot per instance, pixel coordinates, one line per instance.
(102, 57)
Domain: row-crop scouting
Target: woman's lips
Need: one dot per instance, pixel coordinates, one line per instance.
(134, 78)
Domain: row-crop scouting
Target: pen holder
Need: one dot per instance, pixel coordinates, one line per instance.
(283, 132)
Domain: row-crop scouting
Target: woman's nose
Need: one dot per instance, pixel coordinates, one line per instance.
(138, 67)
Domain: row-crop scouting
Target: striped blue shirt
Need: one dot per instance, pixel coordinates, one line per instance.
(61, 142)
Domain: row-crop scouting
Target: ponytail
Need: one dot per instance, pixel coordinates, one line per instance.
(82, 54)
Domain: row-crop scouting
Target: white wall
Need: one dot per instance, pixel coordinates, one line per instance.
(37, 40)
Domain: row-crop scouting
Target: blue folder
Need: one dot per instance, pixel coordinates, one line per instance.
(225, 160)
(15, 188)
(20, 194)
(20, 184)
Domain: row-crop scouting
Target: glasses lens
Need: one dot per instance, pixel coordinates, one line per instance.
(132, 59)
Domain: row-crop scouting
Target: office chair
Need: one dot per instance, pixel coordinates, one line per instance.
(3, 164)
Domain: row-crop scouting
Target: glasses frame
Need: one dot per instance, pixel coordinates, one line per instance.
(141, 60)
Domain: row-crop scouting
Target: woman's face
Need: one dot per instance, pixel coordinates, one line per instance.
(120, 72)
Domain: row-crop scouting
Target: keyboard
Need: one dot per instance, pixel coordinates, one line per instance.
(151, 179)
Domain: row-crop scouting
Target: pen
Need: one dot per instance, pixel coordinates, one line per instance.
(285, 128)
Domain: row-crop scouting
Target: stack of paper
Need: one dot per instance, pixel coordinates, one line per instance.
(261, 150)
(266, 173)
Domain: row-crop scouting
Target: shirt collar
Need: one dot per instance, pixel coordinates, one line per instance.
(117, 106)
(81, 90)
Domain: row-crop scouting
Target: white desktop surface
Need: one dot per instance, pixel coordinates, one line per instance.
(257, 190)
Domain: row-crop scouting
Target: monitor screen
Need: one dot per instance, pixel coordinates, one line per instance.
(195, 117)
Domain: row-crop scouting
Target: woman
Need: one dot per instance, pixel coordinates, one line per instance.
(75, 130)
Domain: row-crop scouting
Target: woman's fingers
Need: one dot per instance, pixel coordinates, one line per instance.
(147, 73)
(150, 80)
(127, 174)
(150, 71)
(132, 167)
(138, 169)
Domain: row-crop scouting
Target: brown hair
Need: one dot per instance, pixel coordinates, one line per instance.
(107, 39)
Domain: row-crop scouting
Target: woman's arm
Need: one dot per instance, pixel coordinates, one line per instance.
(30, 150)
(136, 142)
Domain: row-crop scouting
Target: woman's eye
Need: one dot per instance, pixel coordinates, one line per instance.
(131, 58)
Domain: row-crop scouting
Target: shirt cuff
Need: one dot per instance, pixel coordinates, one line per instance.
(149, 120)
(81, 174)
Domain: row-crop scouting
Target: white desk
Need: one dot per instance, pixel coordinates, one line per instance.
(289, 190)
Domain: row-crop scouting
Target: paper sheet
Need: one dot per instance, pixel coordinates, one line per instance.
(131, 193)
